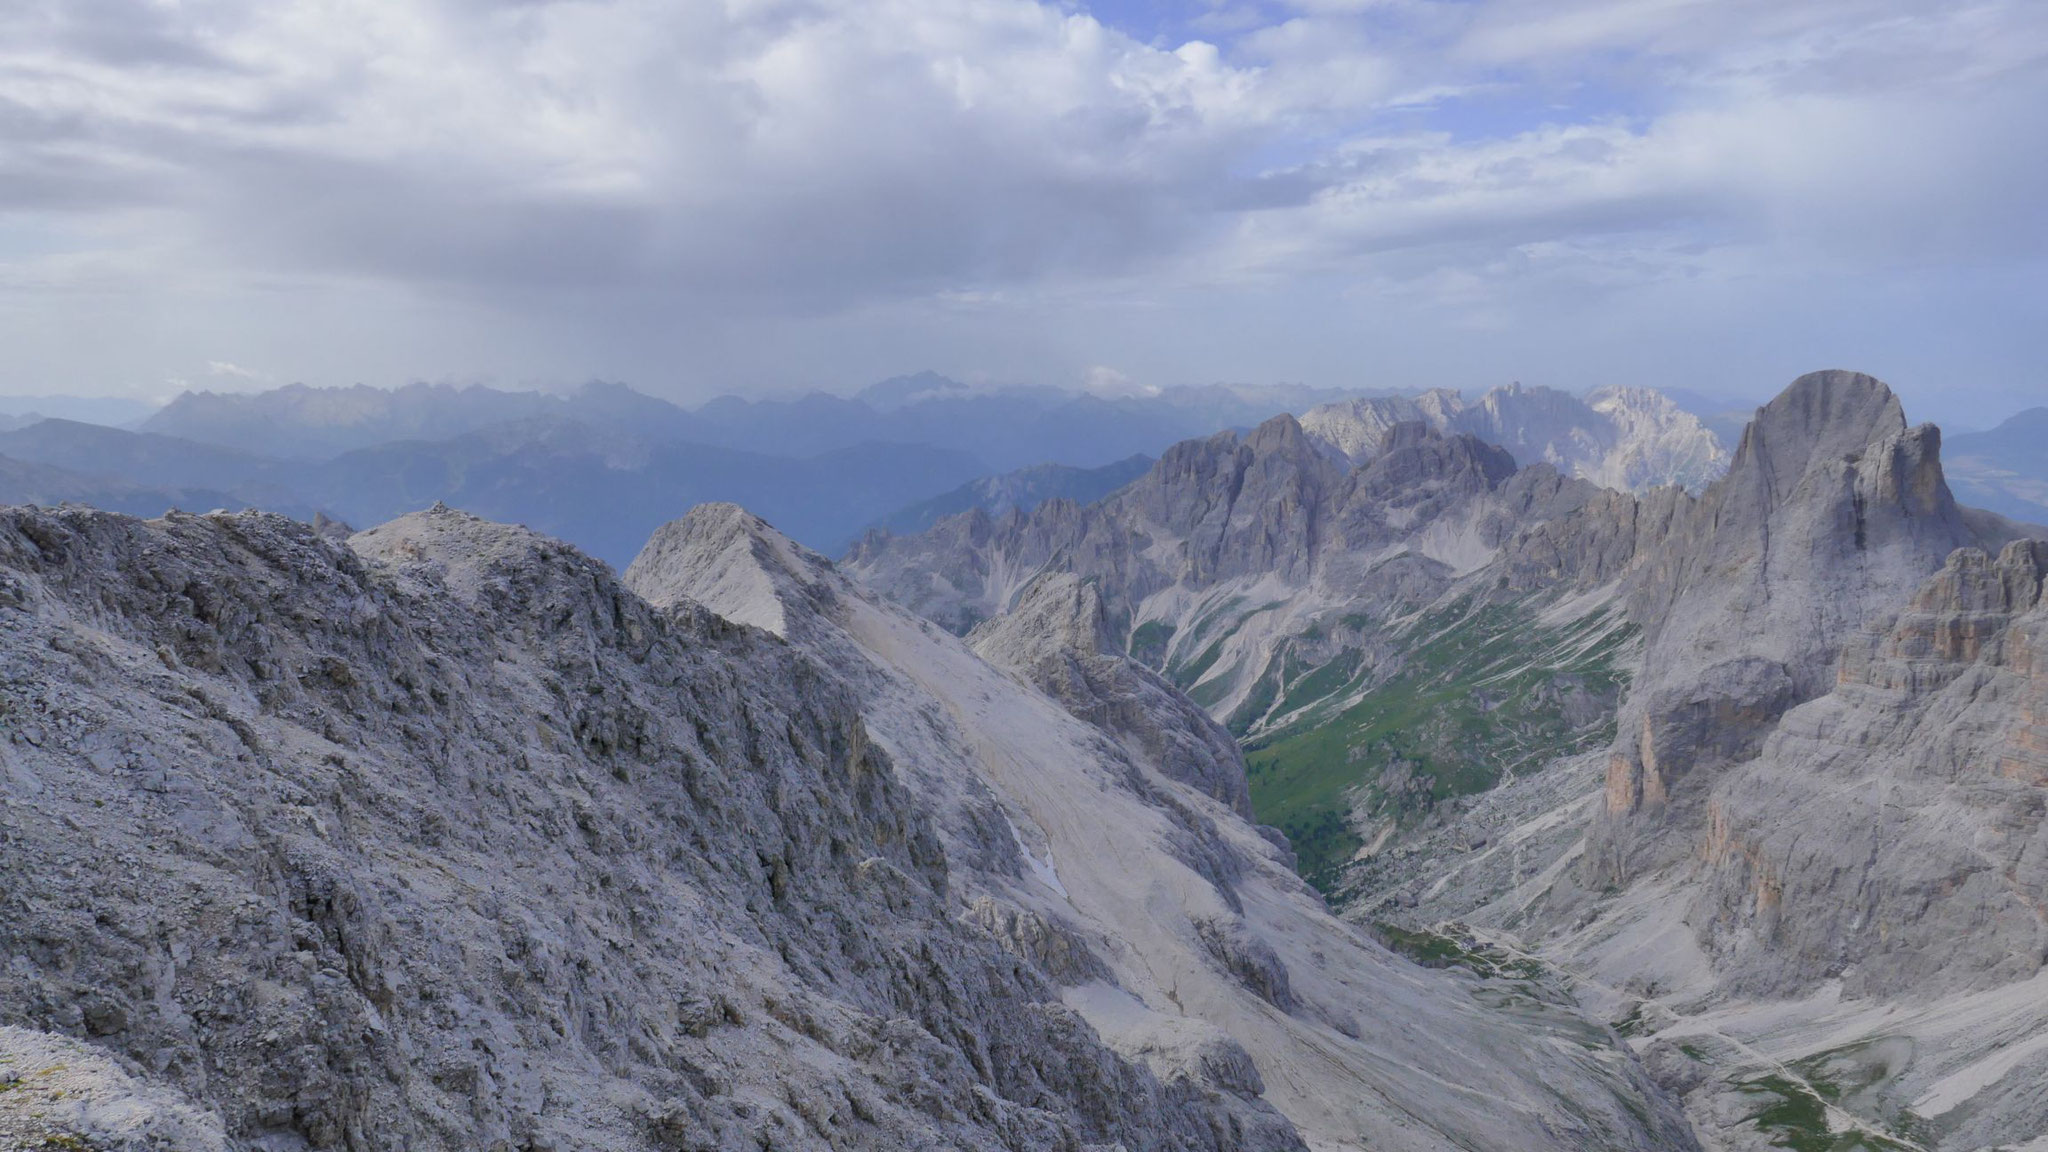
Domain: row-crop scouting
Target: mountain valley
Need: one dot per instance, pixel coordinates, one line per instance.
(1754, 770)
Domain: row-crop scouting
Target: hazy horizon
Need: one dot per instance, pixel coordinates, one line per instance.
(1922, 405)
(768, 198)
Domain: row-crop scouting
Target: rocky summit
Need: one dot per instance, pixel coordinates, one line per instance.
(1753, 767)
(445, 837)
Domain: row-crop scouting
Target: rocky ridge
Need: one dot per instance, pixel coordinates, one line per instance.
(1629, 438)
(1058, 639)
(1808, 876)
(448, 841)
(444, 838)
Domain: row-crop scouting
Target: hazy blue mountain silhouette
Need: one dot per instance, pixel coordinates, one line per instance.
(2004, 469)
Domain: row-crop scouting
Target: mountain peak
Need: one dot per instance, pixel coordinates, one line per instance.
(733, 562)
(900, 391)
(1822, 415)
(1059, 605)
(477, 559)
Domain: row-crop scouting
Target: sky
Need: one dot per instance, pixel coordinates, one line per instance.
(759, 196)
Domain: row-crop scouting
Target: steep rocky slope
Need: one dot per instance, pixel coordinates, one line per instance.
(457, 843)
(1833, 510)
(1852, 946)
(1111, 850)
(445, 839)
(1058, 638)
(1927, 761)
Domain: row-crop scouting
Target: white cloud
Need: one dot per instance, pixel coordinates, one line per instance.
(550, 182)
(1110, 384)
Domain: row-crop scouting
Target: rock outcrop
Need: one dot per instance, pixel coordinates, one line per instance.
(446, 840)
(1926, 763)
(1832, 511)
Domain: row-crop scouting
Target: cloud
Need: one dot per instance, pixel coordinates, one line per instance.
(808, 151)
(610, 186)
(231, 370)
(1110, 384)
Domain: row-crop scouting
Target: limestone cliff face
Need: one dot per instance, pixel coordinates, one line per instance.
(1894, 832)
(1832, 511)
(445, 839)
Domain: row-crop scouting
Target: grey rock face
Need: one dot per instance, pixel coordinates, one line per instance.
(1817, 873)
(1268, 504)
(1926, 764)
(446, 840)
(1832, 511)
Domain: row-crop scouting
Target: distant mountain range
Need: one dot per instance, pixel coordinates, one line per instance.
(1004, 428)
(1632, 439)
(2004, 469)
(115, 411)
(602, 464)
(1022, 490)
(23, 482)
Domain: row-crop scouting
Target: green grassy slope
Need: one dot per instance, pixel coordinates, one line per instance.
(1479, 691)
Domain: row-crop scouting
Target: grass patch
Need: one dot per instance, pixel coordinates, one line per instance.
(1795, 1116)
(1187, 674)
(1149, 642)
(1325, 682)
(1483, 690)
(1434, 949)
